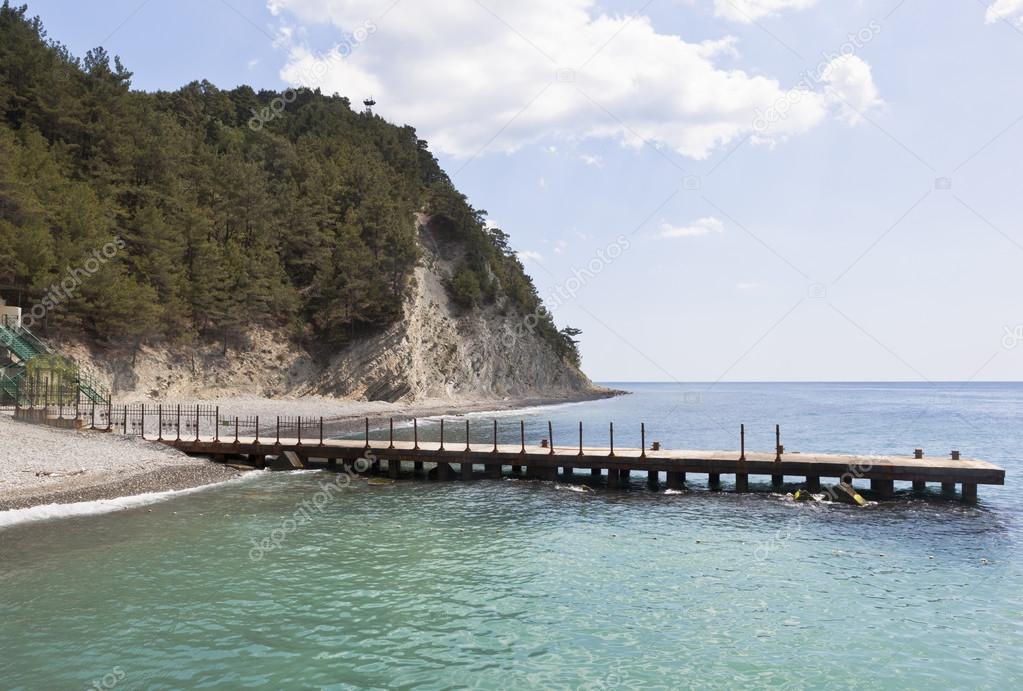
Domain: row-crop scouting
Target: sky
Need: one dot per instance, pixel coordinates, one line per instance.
(712, 190)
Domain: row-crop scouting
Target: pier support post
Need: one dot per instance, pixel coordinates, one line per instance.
(331, 462)
(653, 477)
(714, 480)
(258, 461)
(777, 480)
(393, 468)
(742, 482)
(614, 478)
(516, 470)
(884, 488)
(674, 480)
(568, 471)
(466, 470)
(948, 488)
(813, 484)
(623, 475)
(443, 472)
(919, 486)
(417, 468)
(969, 492)
(494, 471)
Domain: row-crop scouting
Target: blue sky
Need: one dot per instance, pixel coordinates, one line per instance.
(872, 233)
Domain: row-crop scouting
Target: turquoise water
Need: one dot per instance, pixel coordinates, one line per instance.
(515, 584)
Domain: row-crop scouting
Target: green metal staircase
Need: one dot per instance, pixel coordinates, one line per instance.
(19, 347)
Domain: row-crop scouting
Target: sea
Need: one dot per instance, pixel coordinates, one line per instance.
(297, 580)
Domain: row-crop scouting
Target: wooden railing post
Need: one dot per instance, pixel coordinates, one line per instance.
(642, 439)
(550, 435)
(742, 442)
(612, 439)
(299, 431)
(179, 423)
(495, 435)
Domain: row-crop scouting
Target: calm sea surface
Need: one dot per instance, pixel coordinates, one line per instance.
(288, 581)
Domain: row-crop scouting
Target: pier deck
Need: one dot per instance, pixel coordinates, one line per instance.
(543, 462)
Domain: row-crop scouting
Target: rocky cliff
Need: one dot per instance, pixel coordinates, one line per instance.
(437, 351)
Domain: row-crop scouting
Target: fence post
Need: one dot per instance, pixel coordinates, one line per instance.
(236, 429)
(179, 423)
(580, 437)
(391, 444)
(278, 442)
(216, 426)
(415, 434)
(197, 422)
(442, 434)
(159, 421)
(143, 422)
(612, 440)
(110, 414)
(777, 442)
(522, 434)
(467, 447)
(367, 433)
(299, 431)
(257, 430)
(742, 442)
(125, 420)
(495, 435)
(321, 430)
(550, 435)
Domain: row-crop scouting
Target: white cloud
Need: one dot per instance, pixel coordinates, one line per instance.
(251, 64)
(851, 83)
(747, 11)
(527, 255)
(1008, 10)
(701, 226)
(589, 160)
(468, 82)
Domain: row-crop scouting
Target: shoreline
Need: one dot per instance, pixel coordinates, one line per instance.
(46, 466)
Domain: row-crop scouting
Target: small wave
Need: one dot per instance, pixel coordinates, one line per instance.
(582, 489)
(45, 512)
(674, 491)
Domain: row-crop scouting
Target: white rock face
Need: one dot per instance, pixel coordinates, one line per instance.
(441, 351)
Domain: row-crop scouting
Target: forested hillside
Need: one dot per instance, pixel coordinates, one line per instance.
(234, 208)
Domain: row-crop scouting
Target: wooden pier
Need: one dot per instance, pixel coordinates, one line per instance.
(399, 459)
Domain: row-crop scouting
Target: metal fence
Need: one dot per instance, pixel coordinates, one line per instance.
(185, 422)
